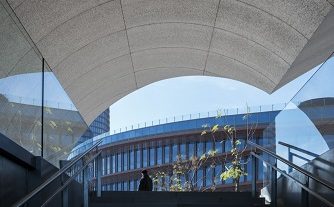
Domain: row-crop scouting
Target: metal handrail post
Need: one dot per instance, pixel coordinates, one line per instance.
(290, 158)
(98, 176)
(254, 176)
(64, 193)
(305, 200)
(273, 187)
(85, 187)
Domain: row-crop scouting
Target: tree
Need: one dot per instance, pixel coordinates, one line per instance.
(233, 160)
(235, 169)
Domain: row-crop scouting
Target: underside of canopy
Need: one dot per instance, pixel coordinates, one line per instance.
(102, 50)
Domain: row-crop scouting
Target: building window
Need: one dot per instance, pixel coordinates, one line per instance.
(159, 155)
(166, 149)
(191, 150)
(113, 161)
(200, 149)
(218, 147)
(145, 157)
(132, 160)
(125, 186)
(108, 164)
(174, 152)
(199, 178)
(137, 165)
(119, 162)
(183, 151)
(119, 186)
(132, 185)
(125, 161)
(103, 166)
(228, 145)
(208, 176)
(218, 172)
(152, 157)
(208, 146)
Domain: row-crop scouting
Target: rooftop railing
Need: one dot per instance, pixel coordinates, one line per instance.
(172, 124)
(38, 102)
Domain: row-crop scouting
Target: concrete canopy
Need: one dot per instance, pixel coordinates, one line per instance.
(101, 50)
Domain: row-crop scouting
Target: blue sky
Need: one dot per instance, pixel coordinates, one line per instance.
(167, 98)
(194, 94)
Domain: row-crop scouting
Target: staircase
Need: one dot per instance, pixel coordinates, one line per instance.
(175, 199)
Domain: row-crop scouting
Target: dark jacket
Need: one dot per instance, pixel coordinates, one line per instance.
(145, 184)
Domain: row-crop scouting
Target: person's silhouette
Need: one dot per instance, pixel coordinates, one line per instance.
(146, 183)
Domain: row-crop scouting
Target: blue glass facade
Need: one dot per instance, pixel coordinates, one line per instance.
(128, 154)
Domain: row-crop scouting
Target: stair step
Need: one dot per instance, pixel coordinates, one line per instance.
(176, 205)
(175, 199)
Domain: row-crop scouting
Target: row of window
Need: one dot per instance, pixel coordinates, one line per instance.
(141, 158)
(203, 178)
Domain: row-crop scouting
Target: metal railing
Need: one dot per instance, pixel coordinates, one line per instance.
(304, 186)
(59, 173)
(291, 155)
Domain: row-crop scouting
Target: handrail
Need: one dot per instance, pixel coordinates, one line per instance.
(70, 179)
(323, 182)
(298, 149)
(318, 196)
(53, 177)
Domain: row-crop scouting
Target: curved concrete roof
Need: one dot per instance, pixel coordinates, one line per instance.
(102, 50)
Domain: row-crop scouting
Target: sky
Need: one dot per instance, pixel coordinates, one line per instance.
(166, 98)
(194, 94)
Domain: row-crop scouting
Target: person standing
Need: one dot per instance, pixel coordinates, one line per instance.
(146, 183)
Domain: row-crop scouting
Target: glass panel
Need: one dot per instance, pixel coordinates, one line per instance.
(108, 164)
(152, 156)
(132, 185)
(137, 159)
(132, 160)
(218, 172)
(191, 150)
(199, 180)
(208, 176)
(183, 151)
(166, 149)
(125, 161)
(174, 152)
(119, 162)
(200, 149)
(20, 87)
(208, 146)
(63, 125)
(125, 186)
(145, 157)
(113, 163)
(159, 154)
(103, 166)
(218, 147)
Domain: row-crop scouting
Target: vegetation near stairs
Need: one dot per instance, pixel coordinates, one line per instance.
(182, 175)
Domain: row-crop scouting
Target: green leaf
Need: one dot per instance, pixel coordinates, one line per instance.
(215, 128)
(202, 157)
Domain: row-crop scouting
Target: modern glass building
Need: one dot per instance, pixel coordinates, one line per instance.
(156, 148)
(99, 126)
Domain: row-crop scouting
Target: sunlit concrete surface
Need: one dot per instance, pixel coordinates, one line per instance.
(102, 50)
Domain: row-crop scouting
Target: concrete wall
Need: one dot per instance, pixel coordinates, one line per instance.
(21, 172)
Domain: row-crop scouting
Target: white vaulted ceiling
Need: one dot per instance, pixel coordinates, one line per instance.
(101, 50)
